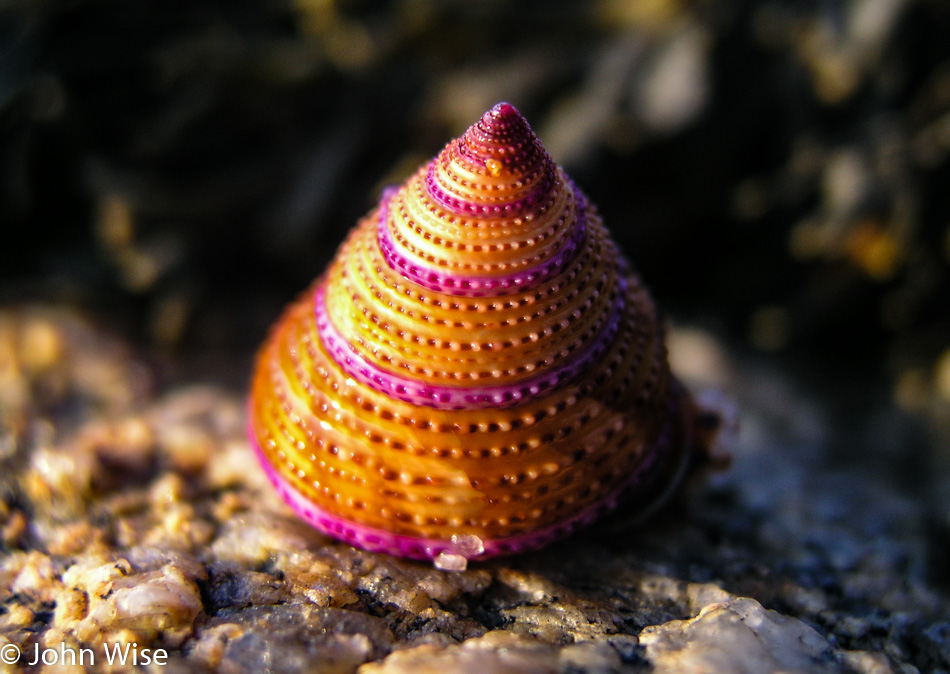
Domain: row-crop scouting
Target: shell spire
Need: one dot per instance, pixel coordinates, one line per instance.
(477, 372)
(502, 140)
(499, 214)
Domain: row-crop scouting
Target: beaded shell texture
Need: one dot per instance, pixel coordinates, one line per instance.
(478, 372)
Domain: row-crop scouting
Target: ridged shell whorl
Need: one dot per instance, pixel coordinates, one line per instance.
(477, 373)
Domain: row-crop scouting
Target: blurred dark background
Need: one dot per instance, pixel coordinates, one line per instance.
(778, 171)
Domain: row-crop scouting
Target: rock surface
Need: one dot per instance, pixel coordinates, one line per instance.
(137, 517)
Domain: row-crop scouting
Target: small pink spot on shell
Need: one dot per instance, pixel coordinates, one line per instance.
(468, 545)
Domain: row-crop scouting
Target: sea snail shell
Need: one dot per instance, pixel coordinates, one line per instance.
(478, 372)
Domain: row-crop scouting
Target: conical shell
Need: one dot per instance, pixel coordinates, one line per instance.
(478, 372)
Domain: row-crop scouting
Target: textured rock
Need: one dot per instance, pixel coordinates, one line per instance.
(739, 635)
(501, 652)
(167, 535)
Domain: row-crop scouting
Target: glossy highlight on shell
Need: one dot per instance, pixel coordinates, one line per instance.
(478, 372)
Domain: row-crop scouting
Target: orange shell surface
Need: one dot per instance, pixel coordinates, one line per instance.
(478, 372)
